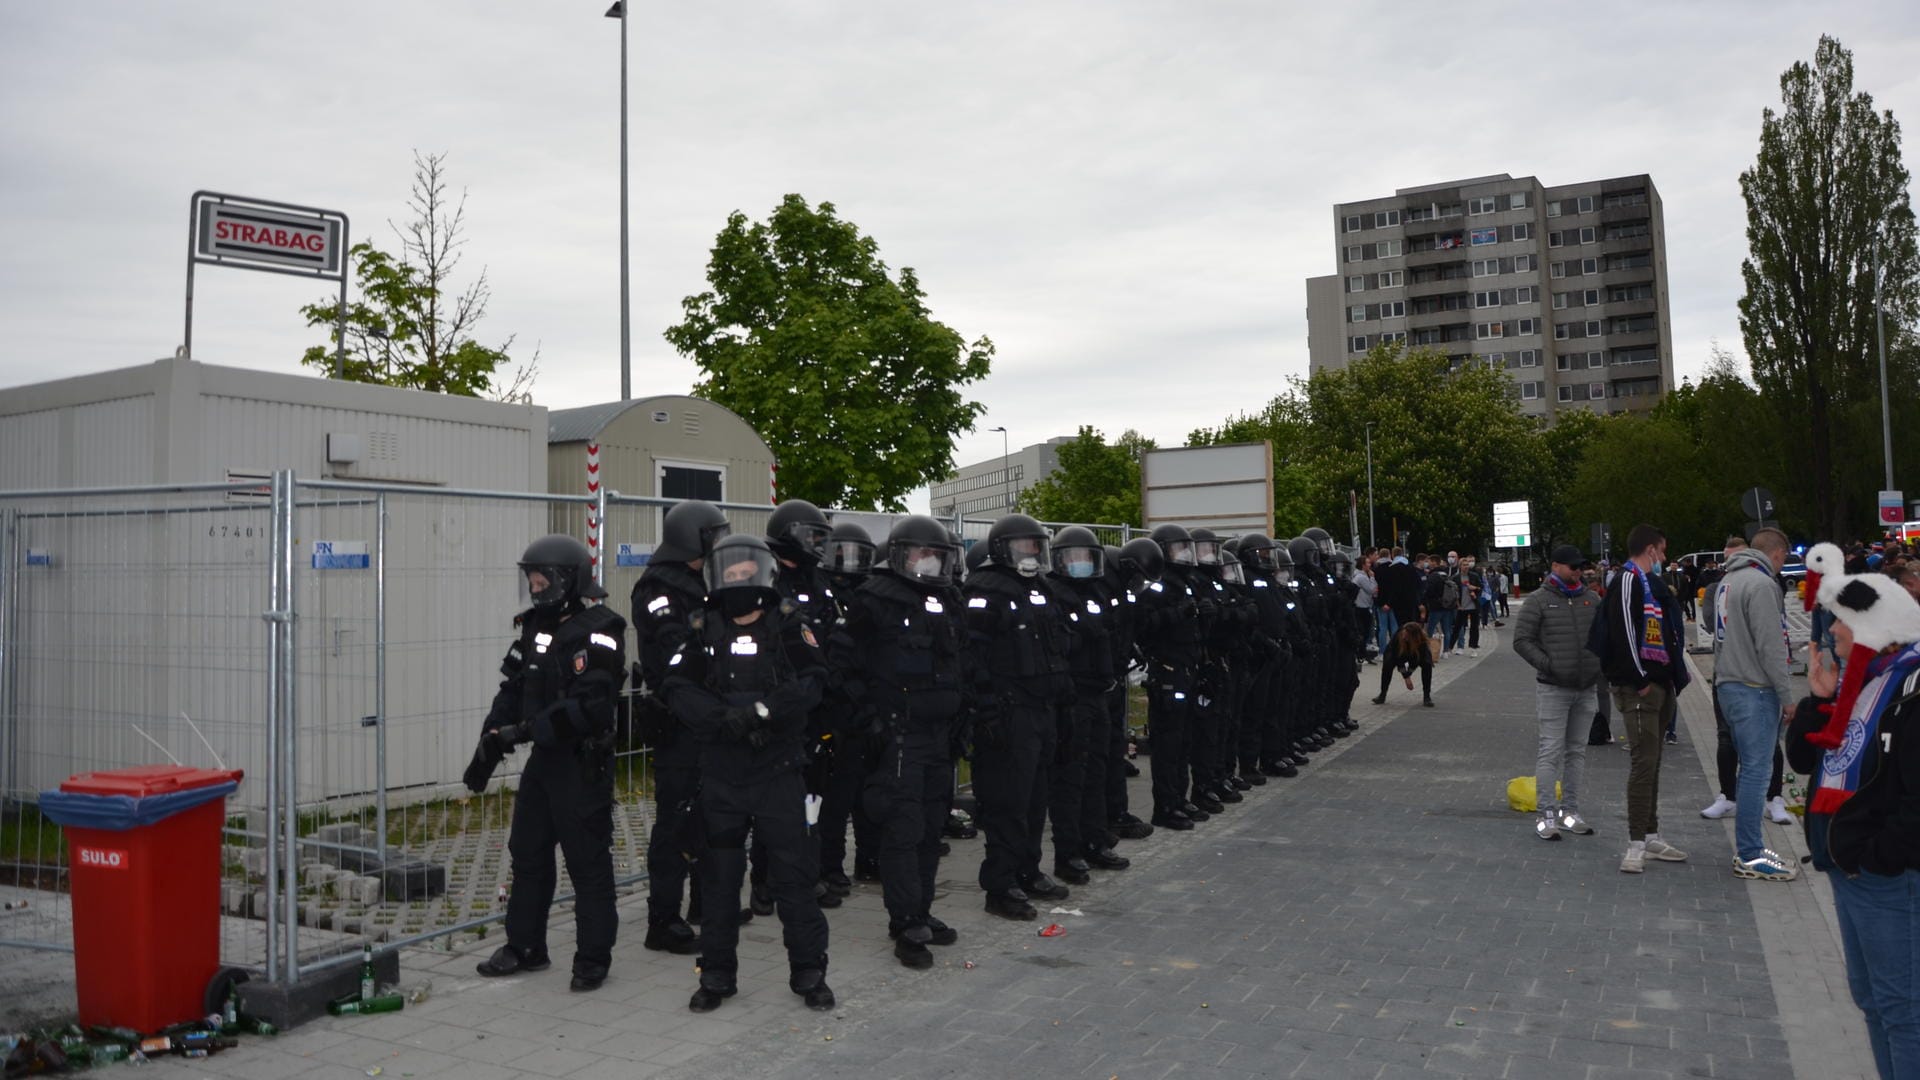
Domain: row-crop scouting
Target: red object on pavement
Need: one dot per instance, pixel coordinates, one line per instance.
(146, 901)
(1053, 930)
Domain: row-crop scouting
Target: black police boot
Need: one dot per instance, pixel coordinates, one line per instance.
(1107, 859)
(1207, 804)
(1173, 819)
(508, 960)
(1227, 793)
(1381, 700)
(942, 934)
(1129, 768)
(910, 945)
(946, 849)
(1428, 702)
(824, 896)
(1128, 827)
(586, 979)
(837, 882)
(760, 897)
(1072, 871)
(1011, 904)
(1042, 887)
(1194, 813)
(1282, 768)
(672, 937)
(811, 985)
(1239, 782)
(1250, 775)
(715, 987)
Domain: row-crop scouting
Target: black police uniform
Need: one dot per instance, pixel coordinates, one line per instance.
(1167, 627)
(810, 598)
(664, 600)
(1079, 797)
(750, 777)
(902, 654)
(562, 683)
(1022, 637)
(1261, 719)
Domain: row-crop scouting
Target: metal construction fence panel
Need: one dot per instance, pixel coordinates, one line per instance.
(341, 642)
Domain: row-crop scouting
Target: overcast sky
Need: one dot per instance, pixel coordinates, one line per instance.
(1127, 197)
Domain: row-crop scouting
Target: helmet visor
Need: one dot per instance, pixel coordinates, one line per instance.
(1079, 562)
(1180, 552)
(1233, 573)
(848, 557)
(712, 535)
(921, 560)
(810, 537)
(1262, 558)
(1206, 552)
(546, 585)
(739, 567)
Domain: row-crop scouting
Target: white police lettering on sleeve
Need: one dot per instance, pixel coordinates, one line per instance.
(977, 602)
(603, 640)
(655, 605)
(541, 641)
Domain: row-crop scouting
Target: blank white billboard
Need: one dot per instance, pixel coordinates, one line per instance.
(1228, 489)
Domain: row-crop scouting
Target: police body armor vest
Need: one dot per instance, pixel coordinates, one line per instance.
(919, 642)
(552, 655)
(744, 663)
(1030, 645)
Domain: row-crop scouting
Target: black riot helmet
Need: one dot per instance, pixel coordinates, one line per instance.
(740, 574)
(1018, 543)
(1078, 554)
(1306, 553)
(1341, 564)
(1257, 549)
(689, 531)
(1142, 555)
(1321, 539)
(797, 531)
(1206, 547)
(1282, 564)
(567, 567)
(1231, 571)
(958, 572)
(849, 550)
(976, 557)
(1176, 545)
(919, 550)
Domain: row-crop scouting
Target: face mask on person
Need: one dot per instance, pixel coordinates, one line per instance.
(927, 566)
(1081, 569)
(737, 602)
(1452, 561)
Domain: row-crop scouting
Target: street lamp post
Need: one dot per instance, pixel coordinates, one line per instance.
(1006, 471)
(619, 11)
(1371, 542)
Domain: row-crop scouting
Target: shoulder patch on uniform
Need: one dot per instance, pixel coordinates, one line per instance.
(605, 641)
(1157, 587)
(977, 602)
(806, 635)
(579, 662)
(658, 603)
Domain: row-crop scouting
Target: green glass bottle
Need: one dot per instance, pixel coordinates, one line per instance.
(379, 1003)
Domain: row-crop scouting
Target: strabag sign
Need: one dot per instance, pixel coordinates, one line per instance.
(237, 232)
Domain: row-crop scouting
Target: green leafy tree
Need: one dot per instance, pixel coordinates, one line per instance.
(1299, 490)
(1645, 469)
(411, 328)
(1096, 482)
(1827, 183)
(837, 363)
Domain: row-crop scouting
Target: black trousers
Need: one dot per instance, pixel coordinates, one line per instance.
(1115, 777)
(1203, 748)
(908, 795)
(1012, 758)
(1077, 794)
(1276, 736)
(775, 810)
(674, 843)
(567, 801)
(1170, 728)
(841, 805)
(1390, 667)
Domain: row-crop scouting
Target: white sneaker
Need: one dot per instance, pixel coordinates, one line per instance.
(1777, 811)
(1473, 653)
(1571, 821)
(1665, 852)
(1722, 806)
(1634, 861)
(1544, 827)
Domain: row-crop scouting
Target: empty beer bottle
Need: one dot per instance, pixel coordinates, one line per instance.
(368, 984)
(357, 1006)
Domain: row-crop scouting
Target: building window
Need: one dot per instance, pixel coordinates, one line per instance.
(1559, 269)
(1593, 329)
(1356, 284)
(1553, 208)
(1483, 236)
(1523, 295)
(1397, 335)
(1353, 253)
(1560, 301)
(1392, 279)
(1489, 330)
(1563, 362)
(1522, 231)
(1562, 331)
(1595, 359)
(1357, 313)
(1486, 299)
(1586, 204)
(1589, 266)
(1385, 218)
(1389, 249)
(1566, 393)
(1359, 344)
(1518, 201)
(1597, 391)
(1527, 326)
(1529, 391)
(1394, 310)
(1481, 206)
(1353, 223)
(1586, 234)
(1496, 360)
(1590, 297)
(1525, 263)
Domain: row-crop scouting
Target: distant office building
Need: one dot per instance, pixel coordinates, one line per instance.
(1565, 287)
(988, 488)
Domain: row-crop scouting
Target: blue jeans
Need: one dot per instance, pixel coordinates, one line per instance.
(1880, 933)
(1385, 625)
(1753, 719)
(1440, 624)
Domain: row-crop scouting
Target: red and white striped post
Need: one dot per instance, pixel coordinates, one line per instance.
(593, 516)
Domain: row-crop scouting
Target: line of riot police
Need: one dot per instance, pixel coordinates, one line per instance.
(798, 686)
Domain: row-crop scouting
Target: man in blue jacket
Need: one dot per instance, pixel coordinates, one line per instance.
(1644, 662)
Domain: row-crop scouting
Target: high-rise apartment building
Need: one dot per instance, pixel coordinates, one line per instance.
(1565, 287)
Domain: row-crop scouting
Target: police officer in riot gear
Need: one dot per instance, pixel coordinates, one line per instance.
(1130, 568)
(1349, 640)
(1078, 799)
(665, 598)
(848, 562)
(1167, 624)
(561, 688)
(1023, 638)
(1285, 742)
(904, 646)
(1221, 616)
(744, 683)
(1259, 715)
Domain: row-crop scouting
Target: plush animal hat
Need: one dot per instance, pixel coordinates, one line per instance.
(1878, 611)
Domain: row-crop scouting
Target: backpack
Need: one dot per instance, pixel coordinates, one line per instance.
(1450, 592)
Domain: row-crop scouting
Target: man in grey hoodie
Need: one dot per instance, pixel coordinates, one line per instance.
(1551, 634)
(1751, 677)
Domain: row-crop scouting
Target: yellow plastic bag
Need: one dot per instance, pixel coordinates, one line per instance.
(1523, 796)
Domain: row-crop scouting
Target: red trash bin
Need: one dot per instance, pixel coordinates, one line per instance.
(143, 853)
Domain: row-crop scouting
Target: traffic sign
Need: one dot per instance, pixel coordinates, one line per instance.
(1892, 507)
(1758, 503)
(1512, 525)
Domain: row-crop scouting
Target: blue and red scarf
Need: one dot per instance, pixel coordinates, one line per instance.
(1562, 588)
(1842, 766)
(1653, 636)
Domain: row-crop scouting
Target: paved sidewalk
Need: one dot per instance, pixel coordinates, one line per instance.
(1383, 915)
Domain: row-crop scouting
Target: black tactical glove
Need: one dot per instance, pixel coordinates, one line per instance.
(480, 769)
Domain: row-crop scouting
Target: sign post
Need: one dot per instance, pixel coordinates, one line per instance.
(1512, 525)
(277, 237)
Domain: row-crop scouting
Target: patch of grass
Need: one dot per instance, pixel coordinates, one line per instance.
(27, 837)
